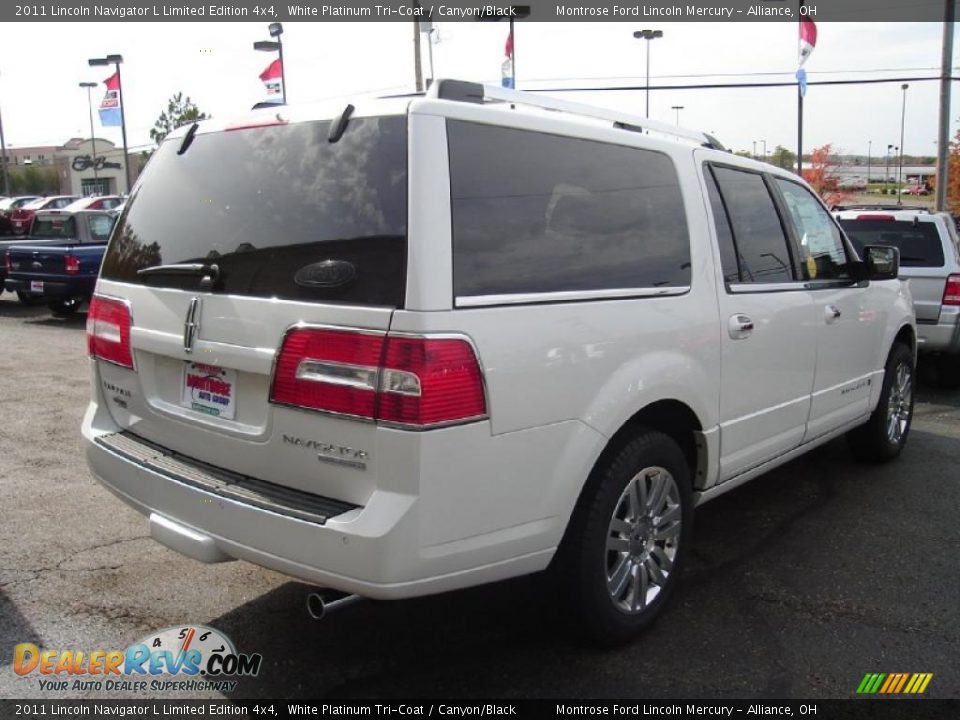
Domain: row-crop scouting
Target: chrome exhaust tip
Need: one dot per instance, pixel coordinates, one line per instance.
(319, 606)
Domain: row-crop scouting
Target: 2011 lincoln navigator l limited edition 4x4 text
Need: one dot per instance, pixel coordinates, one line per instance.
(430, 342)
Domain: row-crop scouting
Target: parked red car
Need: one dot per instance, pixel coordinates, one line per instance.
(22, 217)
(102, 202)
(8, 205)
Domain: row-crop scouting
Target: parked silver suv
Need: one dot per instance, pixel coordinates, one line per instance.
(930, 260)
(430, 342)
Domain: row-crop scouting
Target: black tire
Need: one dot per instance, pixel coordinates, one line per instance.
(65, 307)
(877, 440)
(585, 561)
(948, 371)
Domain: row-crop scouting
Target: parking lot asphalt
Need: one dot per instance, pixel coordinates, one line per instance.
(800, 582)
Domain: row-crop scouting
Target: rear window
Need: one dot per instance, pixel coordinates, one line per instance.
(282, 212)
(46, 226)
(919, 243)
(536, 213)
(100, 227)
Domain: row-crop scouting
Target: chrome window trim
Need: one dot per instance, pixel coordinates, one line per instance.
(567, 296)
(792, 286)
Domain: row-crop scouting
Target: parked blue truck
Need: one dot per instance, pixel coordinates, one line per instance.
(59, 262)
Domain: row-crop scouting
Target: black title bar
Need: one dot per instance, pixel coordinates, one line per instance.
(458, 10)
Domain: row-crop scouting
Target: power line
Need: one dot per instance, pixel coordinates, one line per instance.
(736, 74)
(721, 86)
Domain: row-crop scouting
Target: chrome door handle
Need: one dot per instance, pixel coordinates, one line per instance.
(833, 312)
(740, 327)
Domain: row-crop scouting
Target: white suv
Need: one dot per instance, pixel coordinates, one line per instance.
(432, 342)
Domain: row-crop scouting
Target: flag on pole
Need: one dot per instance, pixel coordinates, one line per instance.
(110, 105)
(507, 68)
(272, 79)
(808, 39)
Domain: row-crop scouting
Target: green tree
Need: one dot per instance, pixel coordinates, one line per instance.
(180, 111)
(783, 158)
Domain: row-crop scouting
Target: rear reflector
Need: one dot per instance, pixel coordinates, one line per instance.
(415, 382)
(71, 264)
(108, 331)
(876, 217)
(951, 291)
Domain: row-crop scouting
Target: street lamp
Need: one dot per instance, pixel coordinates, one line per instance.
(764, 150)
(869, 148)
(648, 35)
(275, 30)
(886, 170)
(116, 60)
(678, 108)
(753, 155)
(3, 159)
(93, 139)
(903, 116)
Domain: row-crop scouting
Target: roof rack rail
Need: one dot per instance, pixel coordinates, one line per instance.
(888, 208)
(463, 91)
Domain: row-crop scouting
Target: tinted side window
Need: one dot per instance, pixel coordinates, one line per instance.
(535, 213)
(728, 249)
(759, 237)
(822, 254)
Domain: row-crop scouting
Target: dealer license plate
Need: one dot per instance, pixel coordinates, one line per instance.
(36, 286)
(209, 389)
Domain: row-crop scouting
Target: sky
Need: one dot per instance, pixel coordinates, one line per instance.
(41, 65)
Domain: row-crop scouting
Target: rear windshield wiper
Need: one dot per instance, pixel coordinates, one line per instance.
(208, 273)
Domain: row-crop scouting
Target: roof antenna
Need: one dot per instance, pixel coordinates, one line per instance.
(338, 128)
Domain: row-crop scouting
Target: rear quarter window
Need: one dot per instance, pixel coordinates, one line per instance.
(536, 213)
(919, 242)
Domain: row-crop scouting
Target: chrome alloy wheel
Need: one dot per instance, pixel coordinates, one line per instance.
(900, 403)
(643, 539)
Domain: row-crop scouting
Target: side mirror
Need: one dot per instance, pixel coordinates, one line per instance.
(882, 262)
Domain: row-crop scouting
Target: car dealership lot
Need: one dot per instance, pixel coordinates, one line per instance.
(800, 582)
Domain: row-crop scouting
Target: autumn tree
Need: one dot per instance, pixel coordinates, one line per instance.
(180, 111)
(820, 172)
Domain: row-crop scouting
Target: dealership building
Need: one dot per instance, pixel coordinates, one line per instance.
(91, 166)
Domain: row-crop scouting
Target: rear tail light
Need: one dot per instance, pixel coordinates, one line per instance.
(951, 291)
(108, 331)
(415, 382)
(71, 264)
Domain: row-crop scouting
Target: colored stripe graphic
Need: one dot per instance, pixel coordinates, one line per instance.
(894, 683)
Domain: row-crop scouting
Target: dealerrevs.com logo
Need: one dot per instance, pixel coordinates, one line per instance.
(194, 657)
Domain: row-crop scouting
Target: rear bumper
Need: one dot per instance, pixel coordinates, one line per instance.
(942, 336)
(81, 287)
(380, 550)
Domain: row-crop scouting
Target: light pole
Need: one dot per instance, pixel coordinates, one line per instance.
(869, 148)
(886, 170)
(93, 139)
(903, 116)
(764, 150)
(116, 60)
(754, 153)
(275, 30)
(648, 35)
(677, 108)
(3, 159)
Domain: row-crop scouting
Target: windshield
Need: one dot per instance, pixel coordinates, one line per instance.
(279, 209)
